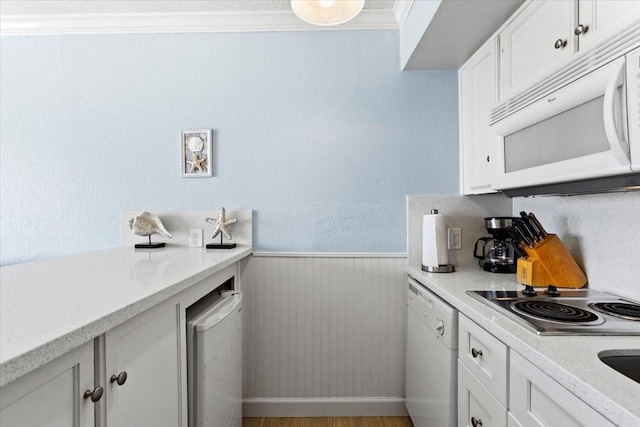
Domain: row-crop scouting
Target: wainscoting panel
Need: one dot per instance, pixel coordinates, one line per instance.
(324, 326)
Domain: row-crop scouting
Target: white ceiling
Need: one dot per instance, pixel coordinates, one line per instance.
(47, 7)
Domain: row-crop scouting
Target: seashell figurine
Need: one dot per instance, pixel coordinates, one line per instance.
(147, 224)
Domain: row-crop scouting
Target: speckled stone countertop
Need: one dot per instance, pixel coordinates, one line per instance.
(571, 360)
(49, 307)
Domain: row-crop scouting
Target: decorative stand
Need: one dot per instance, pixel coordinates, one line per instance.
(147, 224)
(221, 245)
(222, 227)
(149, 245)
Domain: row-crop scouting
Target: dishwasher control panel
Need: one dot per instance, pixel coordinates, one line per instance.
(439, 316)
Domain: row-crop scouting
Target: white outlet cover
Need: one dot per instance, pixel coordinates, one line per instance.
(195, 237)
(454, 238)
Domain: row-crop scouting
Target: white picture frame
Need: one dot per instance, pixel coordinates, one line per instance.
(197, 156)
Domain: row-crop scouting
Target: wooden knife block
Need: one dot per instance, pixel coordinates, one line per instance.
(550, 263)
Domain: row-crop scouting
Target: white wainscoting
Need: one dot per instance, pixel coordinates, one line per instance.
(324, 334)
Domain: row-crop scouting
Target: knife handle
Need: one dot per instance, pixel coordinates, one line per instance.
(539, 226)
(521, 235)
(528, 226)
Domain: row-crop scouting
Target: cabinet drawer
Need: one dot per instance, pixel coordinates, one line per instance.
(485, 356)
(536, 400)
(476, 403)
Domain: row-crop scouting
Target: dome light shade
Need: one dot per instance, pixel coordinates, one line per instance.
(326, 12)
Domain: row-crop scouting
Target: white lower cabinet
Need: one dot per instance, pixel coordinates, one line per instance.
(143, 370)
(485, 357)
(133, 374)
(53, 395)
(477, 407)
(536, 400)
(511, 421)
(487, 369)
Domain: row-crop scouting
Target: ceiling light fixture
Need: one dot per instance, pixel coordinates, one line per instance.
(326, 12)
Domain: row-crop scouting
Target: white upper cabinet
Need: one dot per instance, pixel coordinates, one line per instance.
(599, 17)
(478, 88)
(547, 32)
(539, 38)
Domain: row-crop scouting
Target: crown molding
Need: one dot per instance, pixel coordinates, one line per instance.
(197, 22)
(401, 9)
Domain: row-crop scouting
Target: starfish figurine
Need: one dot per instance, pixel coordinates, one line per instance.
(222, 224)
(196, 163)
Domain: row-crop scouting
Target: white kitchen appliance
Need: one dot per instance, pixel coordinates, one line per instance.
(214, 366)
(566, 311)
(582, 122)
(432, 350)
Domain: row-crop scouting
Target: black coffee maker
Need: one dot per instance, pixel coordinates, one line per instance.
(496, 254)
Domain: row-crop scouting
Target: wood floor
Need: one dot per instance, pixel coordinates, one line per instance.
(329, 422)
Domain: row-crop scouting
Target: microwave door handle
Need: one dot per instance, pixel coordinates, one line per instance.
(618, 148)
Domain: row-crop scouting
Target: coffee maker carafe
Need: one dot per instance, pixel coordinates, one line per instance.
(496, 254)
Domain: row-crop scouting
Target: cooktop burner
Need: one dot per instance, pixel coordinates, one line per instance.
(619, 309)
(553, 311)
(566, 311)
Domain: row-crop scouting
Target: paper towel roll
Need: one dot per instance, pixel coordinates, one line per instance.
(434, 240)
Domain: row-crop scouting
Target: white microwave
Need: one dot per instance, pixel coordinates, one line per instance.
(588, 128)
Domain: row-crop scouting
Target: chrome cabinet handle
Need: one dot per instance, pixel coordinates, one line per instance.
(475, 422)
(94, 394)
(120, 379)
(581, 29)
(476, 352)
(560, 43)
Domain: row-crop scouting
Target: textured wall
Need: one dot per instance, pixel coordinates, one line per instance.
(602, 232)
(320, 133)
(465, 212)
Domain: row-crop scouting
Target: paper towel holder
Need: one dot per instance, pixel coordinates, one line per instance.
(434, 232)
(447, 268)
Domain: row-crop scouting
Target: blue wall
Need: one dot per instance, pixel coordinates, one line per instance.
(320, 133)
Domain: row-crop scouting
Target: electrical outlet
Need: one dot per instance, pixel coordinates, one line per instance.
(454, 238)
(195, 237)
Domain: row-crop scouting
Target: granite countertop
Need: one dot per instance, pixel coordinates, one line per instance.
(571, 360)
(50, 307)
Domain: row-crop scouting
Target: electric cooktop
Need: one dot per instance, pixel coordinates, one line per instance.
(566, 311)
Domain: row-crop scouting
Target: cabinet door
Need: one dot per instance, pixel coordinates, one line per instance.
(485, 356)
(536, 400)
(478, 94)
(476, 405)
(147, 348)
(602, 16)
(53, 394)
(528, 43)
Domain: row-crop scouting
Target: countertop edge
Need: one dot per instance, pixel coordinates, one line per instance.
(30, 360)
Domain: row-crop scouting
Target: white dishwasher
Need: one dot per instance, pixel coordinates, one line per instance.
(432, 352)
(214, 361)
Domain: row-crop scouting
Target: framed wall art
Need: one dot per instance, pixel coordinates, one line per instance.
(196, 153)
